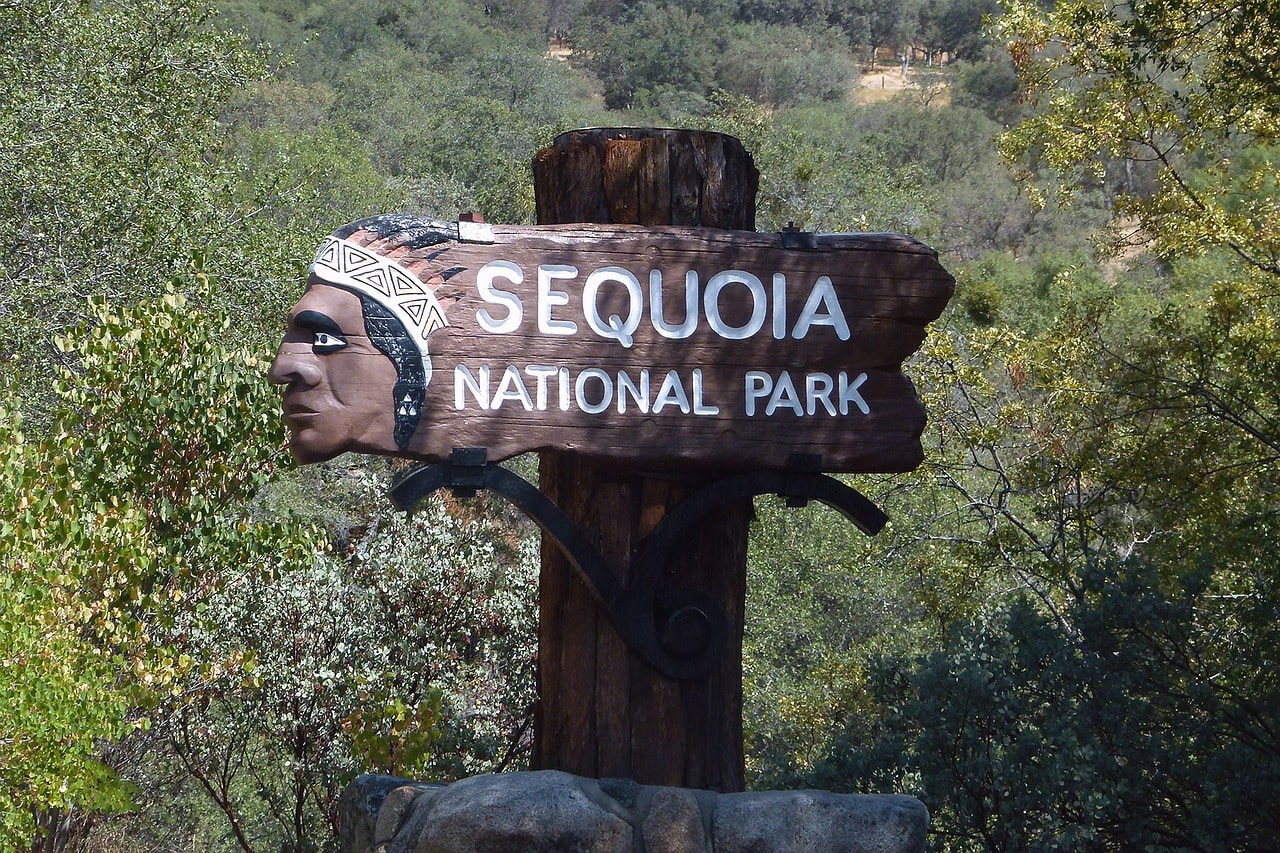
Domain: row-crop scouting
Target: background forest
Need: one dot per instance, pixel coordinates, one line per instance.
(1066, 639)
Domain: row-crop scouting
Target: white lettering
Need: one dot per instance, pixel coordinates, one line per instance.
(564, 389)
(659, 320)
(491, 294)
(605, 398)
(759, 384)
(463, 380)
(511, 388)
(823, 292)
(779, 306)
(640, 393)
(822, 306)
(671, 393)
(818, 388)
(700, 408)
(849, 393)
(615, 328)
(531, 386)
(711, 304)
(784, 396)
(541, 373)
(548, 299)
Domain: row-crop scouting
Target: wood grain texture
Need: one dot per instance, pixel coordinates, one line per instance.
(869, 299)
(638, 724)
(602, 710)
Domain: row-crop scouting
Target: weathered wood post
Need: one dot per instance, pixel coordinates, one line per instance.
(604, 712)
(461, 344)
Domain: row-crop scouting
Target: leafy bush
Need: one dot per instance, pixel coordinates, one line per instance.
(135, 506)
(786, 65)
(1134, 721)
(410, 651)
(656, 46)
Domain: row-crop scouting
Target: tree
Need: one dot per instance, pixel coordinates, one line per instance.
(1116, 461)
(657, 47)
(130, 511)
(879, 24)
(1186, 87)
(473, 130)
(1141, 724)
(787, 13)
(955, 27)
(408, 651)
(1181, 86)
(57, 693)
(988, 83)
(106, 186)
(779, 66)
(814, 176)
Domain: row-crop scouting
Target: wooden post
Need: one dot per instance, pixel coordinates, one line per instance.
(603, 711)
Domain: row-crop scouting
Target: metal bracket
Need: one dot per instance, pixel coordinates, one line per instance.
(680, 632)
(794, 238)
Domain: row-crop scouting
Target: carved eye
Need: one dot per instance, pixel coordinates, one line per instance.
(325, 343)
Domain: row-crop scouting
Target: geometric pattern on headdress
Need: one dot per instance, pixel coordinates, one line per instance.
(346, 264)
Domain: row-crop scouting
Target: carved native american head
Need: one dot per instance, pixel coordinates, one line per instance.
(354, 361)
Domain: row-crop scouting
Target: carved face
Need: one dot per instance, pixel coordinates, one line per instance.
(338, 387)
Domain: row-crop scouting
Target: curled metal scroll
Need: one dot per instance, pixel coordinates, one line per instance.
(680, 632)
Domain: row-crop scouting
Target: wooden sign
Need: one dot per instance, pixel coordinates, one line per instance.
(663, 347)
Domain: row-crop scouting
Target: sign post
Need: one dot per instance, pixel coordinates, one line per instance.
(603, 712)
(669, 363)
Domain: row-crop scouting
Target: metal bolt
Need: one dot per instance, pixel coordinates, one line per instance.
(686, 634)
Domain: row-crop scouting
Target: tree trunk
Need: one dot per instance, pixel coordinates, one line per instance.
(604, 712)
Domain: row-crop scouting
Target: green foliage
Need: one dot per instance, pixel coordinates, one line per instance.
(981, 299)
(449, 103)
(57, 691)
(424, 125)
(975, 205)
(1180, 84)
(458, 578)
(92, 98)
(408, 651)
(1207, 368)
(393, 737)
(801, 669)
(1027, 294)
(881, 23)
(656, 47)
(989, 84)
(1066, 636)
(321, 41)
(786, 65)
(136, 505)
(785, 12)
(956, 26)
(817, 181)
(819, 594)
(1117, 462)
(1137, 721)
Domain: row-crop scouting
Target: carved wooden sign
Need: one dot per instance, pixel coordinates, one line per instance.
(663, 347)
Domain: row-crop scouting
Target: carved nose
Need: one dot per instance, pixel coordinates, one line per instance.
(294, 365)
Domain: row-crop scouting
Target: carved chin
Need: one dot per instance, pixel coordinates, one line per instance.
(305, 449)
(317, 438)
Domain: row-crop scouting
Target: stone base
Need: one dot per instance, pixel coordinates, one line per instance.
(555, 812)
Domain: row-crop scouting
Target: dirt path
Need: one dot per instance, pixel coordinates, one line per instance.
(885, 81)
(878, 84)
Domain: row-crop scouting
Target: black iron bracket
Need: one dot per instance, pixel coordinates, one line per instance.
(681, 632)
(794, 238)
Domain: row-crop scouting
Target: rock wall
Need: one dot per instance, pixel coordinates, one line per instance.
(552, 812)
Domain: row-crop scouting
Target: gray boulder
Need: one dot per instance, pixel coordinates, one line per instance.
(552, 812)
